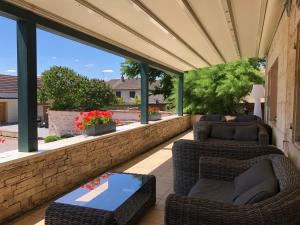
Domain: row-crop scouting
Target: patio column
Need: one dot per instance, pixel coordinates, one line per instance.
(27, 85)
(180, 95)
(144, 93)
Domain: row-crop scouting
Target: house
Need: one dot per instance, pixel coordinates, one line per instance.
(128, 89)
(9, 100)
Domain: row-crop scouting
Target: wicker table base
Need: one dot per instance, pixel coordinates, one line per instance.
(127, 213)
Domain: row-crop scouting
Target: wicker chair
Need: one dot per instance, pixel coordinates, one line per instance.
(281, 209)
(186, 154)
(203, 131)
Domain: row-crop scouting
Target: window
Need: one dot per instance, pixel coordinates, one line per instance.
(118, 94)
(272, 92)
(132, 94)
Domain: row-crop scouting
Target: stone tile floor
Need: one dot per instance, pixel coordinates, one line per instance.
(157, 161)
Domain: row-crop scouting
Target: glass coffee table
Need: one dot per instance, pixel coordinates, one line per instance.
(112, 198)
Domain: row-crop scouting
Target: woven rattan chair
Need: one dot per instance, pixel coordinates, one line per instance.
(203, 130)
(281, 209)
(186, 154)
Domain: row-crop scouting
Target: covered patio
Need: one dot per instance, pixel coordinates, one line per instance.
(174, 36)
(157, 162)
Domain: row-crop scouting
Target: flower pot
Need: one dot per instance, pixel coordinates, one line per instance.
(155, 117)
(98, 129)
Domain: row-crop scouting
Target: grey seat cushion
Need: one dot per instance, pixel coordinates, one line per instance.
(255, 184)
(222, 131)
(259, 192)
(246, 133)
(214, 190)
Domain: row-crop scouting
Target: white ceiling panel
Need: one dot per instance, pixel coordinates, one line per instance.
(180, 34)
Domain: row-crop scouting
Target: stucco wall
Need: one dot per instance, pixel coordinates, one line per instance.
(38, 177)
(283, 49)
(11, 110)
(125, 95)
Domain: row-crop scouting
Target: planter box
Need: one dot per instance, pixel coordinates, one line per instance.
(155, 117)
(95, 130)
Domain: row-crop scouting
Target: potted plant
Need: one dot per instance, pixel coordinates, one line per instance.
(154, 113)
(96, 122)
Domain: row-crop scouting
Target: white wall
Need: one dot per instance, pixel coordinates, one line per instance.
(125, 95)
(11, 110)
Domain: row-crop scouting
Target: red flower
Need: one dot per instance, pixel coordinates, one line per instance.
(87, 119)
(81, 113)
(76, 118)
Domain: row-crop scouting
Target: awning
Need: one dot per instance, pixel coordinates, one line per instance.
(180, 34)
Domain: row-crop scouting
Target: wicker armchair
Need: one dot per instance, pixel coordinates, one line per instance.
(281, 209)
(203, 131)
(186, 154)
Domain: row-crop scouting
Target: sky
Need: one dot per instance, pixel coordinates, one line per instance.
(56, 50)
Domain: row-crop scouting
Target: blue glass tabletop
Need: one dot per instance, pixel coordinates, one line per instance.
(107, 192)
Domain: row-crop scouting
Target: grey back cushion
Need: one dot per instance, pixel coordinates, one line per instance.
(246, 118)
(259, 192)
(222, 131)
(246, 133)
(255, 184)
(212, 117)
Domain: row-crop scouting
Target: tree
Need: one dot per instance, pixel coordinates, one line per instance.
(96, 94)
(131, 70)
(219, 89)
(61, 86)
(67, 90)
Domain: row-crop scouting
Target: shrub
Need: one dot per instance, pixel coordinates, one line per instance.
(119, 101)
(136, 100)
(66, 136)
(51, 138)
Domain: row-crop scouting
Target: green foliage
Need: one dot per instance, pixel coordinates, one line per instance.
(119, 101)
(131, 70)
(66, 136)
(96, 94)
(136, 100)
(220, 88)
(51, 138)
(67, 90)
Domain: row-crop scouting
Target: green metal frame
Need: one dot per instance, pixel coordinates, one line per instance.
(27, 86)
(144, 93)
(180, 95)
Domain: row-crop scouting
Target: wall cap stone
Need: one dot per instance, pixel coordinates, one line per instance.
(12, 157)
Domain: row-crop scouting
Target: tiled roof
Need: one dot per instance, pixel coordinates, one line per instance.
(9, 86)
(129, 84)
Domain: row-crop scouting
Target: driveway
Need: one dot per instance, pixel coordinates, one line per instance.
(12, 131)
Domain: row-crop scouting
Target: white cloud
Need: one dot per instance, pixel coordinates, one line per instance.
(53, 57)
(76, 60)
(107, 71)
(10, 71)
(89, 65)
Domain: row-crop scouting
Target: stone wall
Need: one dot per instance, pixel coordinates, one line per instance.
(30, 181)
(283, 48)
(62, 122)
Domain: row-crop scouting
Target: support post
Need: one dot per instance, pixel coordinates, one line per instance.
(180, 95)
(27, 86)
(144, 93)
